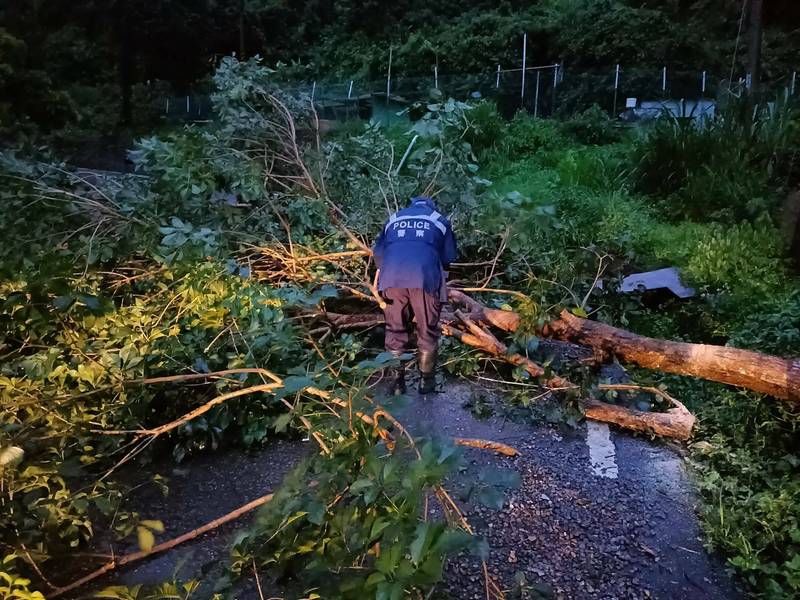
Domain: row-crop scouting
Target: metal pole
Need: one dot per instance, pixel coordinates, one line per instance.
(536, 97)
(794, 81)
(705, 75)
(524, 65)
(187, 104)
(555, 84)
(405, 155)
(389, 77)
(350, 91)
(664, 79)
(436, 76)
(167, 111)
(497, 81)
(616, 87)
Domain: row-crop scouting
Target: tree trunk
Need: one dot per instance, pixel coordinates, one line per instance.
(778, 377)
(676, 423)
(773, 375)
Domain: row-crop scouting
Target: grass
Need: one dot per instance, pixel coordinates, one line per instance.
(622, 198)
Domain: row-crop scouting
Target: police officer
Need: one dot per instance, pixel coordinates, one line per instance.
(413, 253)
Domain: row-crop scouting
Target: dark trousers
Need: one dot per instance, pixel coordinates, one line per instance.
(403, 304)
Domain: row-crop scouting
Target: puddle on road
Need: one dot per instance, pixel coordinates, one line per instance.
(602, 455)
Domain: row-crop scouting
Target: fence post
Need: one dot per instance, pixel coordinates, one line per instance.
(664, 79)
(703, 87)
(167, 111)
(556, 69)
(524, 66)
(389, 77)
(497, 81)
(350, 90)
(536, 97)
(436, 76)
(616, 87)
(187, 104)
(794, 81)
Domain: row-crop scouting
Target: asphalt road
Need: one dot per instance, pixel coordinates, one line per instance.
(599, 513)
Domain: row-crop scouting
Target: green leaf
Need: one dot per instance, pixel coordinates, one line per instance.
(293, 384)
(377, 527)
(146, 538)
(580, 312)
(374, 579)
(446, 452)
(490, 497)
(504, 478)
(389, 559)
(174, 240)
(389, 591)
(153, 525)
(419, 543)
(361, 484)
(283, 421)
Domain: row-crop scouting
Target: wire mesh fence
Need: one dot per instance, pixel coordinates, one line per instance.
(542, 91)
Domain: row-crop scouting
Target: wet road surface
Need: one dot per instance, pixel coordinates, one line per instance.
(599, 514)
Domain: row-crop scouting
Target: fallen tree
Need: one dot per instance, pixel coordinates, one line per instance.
(676, 423)
(778, 377)
(773, 375)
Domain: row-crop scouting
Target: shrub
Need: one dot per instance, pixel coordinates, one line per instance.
(720, 168)
(598, 168)
(775, 328)
(593, 126)
(744, 259)
(486, 127)
(527, 136)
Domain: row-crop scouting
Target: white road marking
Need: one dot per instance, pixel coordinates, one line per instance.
(601, 450)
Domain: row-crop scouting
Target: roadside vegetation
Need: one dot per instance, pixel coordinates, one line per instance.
(110, 281)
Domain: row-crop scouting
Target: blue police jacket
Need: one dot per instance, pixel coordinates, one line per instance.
(414, 249)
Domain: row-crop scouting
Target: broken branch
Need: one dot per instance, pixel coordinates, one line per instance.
(127, 559)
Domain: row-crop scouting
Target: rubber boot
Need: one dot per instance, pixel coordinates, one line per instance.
(397, 376)
(427, 371)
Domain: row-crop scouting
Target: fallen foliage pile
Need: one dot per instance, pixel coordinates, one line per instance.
(212, 298)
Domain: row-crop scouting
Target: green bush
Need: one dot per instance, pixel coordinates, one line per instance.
(595, 167)
(612, 220)
(486, 129)
(746, 471)
(744, 259)
(720, 168)
(593, 126)
(775, 328)
(527, 136)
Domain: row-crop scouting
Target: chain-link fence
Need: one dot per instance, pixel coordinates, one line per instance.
(543, 91)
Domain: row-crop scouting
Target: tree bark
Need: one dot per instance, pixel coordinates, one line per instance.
(778, 377)
(773, 375)
(676, 423)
